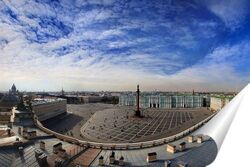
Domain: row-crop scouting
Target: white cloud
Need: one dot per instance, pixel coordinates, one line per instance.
(232, 12)
(106, 76)
(35, 66)
(217, 70)
(111, 32)
(81, 3)
(51, 72)
(227, 52)
(95, 15)
(30, 8)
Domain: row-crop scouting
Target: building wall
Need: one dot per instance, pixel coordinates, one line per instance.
(217, 103)
(5, 117)
(49, 110)
(5, 109)
(5, 114)
(163, 101)
(127, 100)
(91, 99)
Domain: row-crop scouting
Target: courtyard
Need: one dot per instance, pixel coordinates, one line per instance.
(116, 124)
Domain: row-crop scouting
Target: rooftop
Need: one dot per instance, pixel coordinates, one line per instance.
(193, 155)
(9, 100)
(39, 101)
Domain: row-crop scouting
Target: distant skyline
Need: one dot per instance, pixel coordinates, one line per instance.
(114, 45)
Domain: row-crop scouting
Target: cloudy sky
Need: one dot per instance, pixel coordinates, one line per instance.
(115, 44)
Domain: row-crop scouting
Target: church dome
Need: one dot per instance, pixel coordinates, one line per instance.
(13, 90)
(13, 87)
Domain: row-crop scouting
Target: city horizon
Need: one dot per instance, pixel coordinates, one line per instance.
(128, 90)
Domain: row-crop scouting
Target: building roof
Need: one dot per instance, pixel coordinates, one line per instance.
(170, 145)
(39, 101)
(196, 152)
(9, 100)
(222, 97)
(58, 144)
(152, 153)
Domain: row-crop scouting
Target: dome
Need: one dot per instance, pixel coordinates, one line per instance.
(13, 87)
(9, 100)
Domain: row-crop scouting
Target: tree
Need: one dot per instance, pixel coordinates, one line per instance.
(21, 105)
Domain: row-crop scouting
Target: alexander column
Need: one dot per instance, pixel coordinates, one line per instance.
(138, 112)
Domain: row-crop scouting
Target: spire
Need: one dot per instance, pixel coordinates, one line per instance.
(62, 92)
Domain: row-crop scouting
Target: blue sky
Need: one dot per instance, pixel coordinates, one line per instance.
(115, 44)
